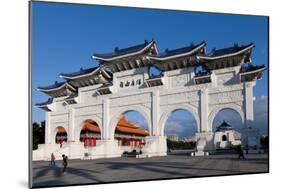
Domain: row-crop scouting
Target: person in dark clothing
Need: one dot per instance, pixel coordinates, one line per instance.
(53, 159)
(64, 162)
(240, 152)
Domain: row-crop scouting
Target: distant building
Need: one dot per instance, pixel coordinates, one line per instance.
(189, 139)
(226, 136)
(173, 138)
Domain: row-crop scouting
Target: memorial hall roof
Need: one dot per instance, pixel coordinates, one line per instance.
(226, 52)
(125, 52)
(174, 53)
(224, 126)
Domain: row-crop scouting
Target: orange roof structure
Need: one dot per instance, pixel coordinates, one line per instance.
(127, 130)
(124, 123)
(123, 126)
(61, 130)
(91, 126)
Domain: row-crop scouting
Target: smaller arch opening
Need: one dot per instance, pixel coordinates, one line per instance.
(61, 136)
(130, 131)
(90, 133)
(224, 138)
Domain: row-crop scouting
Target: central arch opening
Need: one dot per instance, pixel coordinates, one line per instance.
(130, 132)
(90, 133)
(180, 129)
(227, 126)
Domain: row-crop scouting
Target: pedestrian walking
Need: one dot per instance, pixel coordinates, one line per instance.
(240, 152)
(64, 162)
(53, 159)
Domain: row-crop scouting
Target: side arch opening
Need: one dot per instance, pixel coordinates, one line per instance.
(61, 135)
(90, 133)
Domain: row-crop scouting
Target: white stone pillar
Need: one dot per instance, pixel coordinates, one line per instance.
(248, 104)
(71, 126)
(204, 123)
(105, 120)
(47, 128)
(155, 113)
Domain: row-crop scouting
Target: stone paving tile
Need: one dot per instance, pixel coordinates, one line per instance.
(126, 169)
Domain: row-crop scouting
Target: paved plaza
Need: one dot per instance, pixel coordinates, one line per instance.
(133, 169)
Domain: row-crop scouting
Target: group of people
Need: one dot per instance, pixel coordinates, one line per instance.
(64, 161)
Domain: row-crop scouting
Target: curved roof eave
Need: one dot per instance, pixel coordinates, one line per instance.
(85, 75)
(178, 55)
(253, 71)
(226, 55)
(56, 88)
(126, 55)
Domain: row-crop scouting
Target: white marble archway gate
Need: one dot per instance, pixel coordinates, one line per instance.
(104, 96)
(155, 104)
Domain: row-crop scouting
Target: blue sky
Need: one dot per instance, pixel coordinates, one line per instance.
(64, 36)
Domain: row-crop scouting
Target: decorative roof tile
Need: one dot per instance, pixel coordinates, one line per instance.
(250, 67)
(234, 49)
(82, 72)
(125, 51)
(178, 51)
(49, 101)
(53, 86)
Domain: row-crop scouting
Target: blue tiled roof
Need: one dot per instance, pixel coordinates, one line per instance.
(235, 48)
(83, 72)
(250, 67)
(224, 126)
(49, 101)
(53, 86)
(182, 50)
(119, 52)
(80, 72)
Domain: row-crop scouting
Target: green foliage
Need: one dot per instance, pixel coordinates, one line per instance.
(38, 134)
(180, 145)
